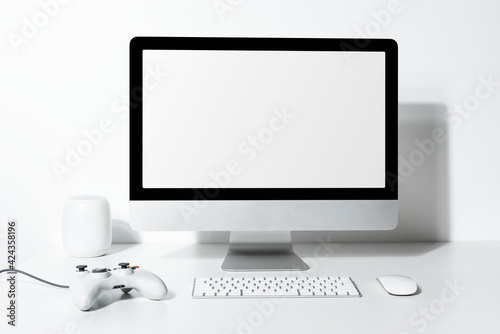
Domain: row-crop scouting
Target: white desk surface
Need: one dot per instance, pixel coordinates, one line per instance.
(471, 306)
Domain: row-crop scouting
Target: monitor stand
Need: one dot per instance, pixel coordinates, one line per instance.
(262, 251)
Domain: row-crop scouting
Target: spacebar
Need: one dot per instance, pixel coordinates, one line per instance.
(269, 293)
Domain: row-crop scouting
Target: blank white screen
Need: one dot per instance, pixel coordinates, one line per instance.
(264, 119)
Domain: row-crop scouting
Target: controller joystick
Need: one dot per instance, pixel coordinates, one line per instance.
(81, 267)
(87, 286)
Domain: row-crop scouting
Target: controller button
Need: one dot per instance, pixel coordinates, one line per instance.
(81, 267)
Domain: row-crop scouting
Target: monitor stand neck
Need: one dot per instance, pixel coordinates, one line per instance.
(262, 251)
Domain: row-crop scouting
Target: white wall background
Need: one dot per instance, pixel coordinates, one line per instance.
(64, 73)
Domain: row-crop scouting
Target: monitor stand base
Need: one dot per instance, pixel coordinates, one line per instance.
(262, 251)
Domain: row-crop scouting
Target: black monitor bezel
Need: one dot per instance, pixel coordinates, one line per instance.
(138, 44)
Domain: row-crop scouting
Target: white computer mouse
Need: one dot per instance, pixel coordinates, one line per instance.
(398, 285)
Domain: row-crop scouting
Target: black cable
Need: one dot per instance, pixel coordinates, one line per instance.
(34, 277)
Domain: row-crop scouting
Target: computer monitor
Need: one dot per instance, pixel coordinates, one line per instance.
(261, 137)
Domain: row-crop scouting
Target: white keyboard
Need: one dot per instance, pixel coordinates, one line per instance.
(269, 286)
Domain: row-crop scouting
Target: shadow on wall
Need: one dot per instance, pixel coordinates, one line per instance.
(122, 233)
(424, 194)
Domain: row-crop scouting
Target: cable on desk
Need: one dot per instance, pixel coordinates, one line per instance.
(34, 277)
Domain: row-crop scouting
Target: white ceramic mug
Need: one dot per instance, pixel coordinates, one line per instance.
(86, 226)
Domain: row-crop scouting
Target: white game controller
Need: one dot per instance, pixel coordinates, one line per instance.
(86, 286)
